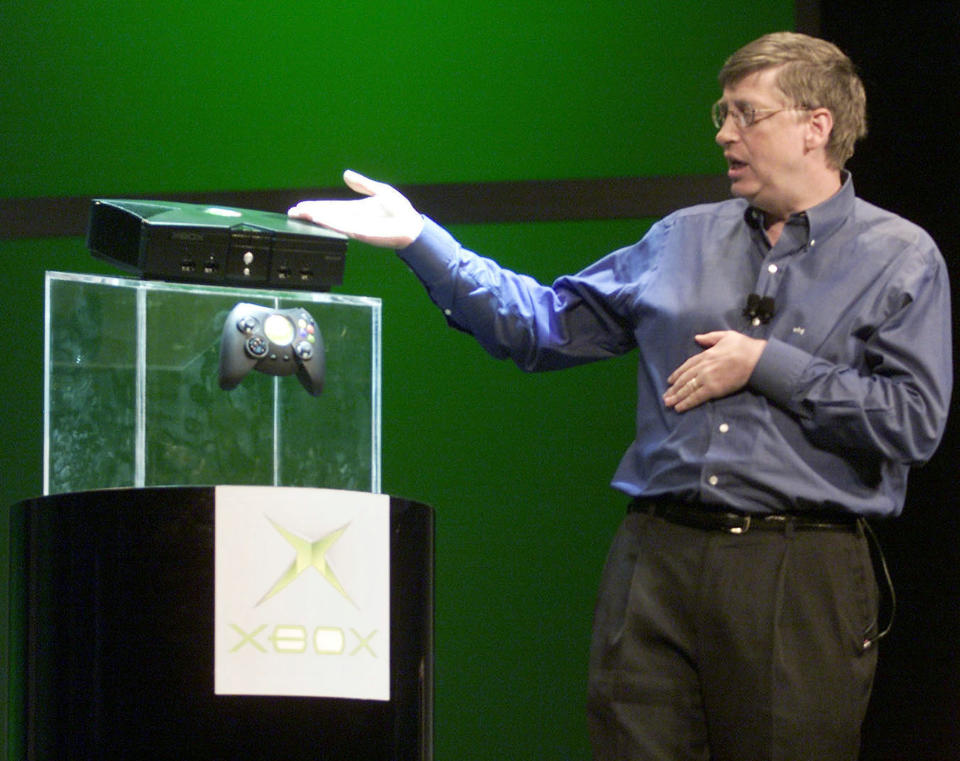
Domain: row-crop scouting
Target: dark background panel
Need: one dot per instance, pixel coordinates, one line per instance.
(910, 163)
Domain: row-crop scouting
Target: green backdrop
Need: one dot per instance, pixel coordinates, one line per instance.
(111, 99)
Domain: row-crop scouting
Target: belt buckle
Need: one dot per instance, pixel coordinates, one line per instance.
(741, 529)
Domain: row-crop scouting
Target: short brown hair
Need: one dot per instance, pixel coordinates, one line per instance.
(813, 73)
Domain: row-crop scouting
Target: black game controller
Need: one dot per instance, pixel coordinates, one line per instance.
(273, 341)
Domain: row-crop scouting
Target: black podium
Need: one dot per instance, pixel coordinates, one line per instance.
(112, 608)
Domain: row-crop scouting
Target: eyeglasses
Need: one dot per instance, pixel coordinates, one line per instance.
(745, 115)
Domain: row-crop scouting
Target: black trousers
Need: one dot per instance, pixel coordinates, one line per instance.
(727, 647)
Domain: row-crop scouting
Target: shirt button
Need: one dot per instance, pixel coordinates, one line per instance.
(724, 427)
(813, 242)
(448, 312)
(772, 269)
(713, 480)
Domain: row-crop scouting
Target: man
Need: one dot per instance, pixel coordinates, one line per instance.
(793, 364)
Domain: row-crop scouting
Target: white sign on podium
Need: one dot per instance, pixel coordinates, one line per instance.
(302, 593)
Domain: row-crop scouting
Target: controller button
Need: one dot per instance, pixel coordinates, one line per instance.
(257, 346)
(246, 324)
(304, 350)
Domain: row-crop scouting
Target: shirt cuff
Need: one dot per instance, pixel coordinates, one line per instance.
(778, 372)
(432, 255)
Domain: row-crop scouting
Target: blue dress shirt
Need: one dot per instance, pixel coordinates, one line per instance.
(852, 388)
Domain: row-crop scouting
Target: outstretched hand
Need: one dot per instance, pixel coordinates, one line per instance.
(385, 218)
(723, 368)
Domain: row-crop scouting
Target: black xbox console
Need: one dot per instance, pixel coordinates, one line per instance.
(272, 341)
(168, 240)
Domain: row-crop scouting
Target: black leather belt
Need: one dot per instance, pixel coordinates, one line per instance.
(705, 517)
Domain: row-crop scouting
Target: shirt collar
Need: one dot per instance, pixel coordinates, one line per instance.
(826, 218)
(822, 220)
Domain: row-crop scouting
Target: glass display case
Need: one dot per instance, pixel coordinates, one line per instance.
(132, 393)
